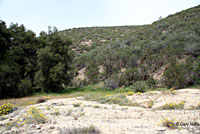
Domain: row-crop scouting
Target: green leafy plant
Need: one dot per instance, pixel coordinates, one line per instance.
(140, 86)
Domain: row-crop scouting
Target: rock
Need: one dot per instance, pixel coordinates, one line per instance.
(14, 130)
(51, 127)
(32, 126)
(38, 127)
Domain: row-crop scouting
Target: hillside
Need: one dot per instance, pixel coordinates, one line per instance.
(149, 48)
(165, 54)
(187, 20)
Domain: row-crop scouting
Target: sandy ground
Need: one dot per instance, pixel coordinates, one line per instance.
(115, 119)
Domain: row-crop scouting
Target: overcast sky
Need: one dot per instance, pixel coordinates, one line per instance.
(37, 15)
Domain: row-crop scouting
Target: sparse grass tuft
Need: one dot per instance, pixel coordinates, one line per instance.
(119, 99)
(96, 106)
(150, 104)
(86, 130)
(69, 112)
(170, 106)
(55, 112)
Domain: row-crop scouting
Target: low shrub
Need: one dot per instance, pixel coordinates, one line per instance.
(6, 109)
(152, 83)
(170, 106)
(110, 84)
(140, 86)
(76, 104)
(86, 130)
(35, 116)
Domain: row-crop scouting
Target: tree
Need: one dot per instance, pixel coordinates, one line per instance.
(197, 71)
(54, 63)
(18, 60)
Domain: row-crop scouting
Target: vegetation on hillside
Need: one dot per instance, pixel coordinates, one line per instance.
(165, 53)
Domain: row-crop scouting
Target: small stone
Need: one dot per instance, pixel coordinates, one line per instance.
(51, 127)
(32, 126)
(12, 116)
(38, 127)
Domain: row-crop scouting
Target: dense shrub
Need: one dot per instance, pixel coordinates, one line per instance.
(197, 71)
(128, 77)
(140, 86)
(151, 82)
(25, 87)
(132, 60)
(192, 48)
(92, 73)
(177, 76)
(6, 109)
(110, 84)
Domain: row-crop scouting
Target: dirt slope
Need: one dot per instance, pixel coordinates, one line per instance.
(114, 119)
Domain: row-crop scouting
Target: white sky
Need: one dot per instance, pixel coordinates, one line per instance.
(37, 15)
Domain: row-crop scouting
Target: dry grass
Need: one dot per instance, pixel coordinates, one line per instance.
(34, 99)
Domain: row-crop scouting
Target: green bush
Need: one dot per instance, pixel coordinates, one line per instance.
(140, 86)
(128, 77)
(197, 72)
(110, 84)
(177, 76)
(152, 83)
(25, 87)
